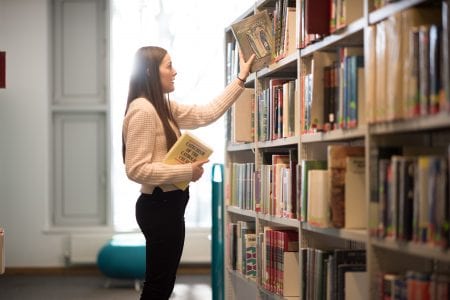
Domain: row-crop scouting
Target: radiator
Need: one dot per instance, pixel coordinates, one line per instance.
(197, 246)
(83, 248)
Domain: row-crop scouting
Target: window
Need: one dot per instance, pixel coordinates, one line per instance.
(193, 33)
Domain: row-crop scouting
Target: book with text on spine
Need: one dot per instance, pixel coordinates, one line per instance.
(254, 35)
(187, 149)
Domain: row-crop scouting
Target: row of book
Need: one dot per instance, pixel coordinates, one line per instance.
(332, 89)
(276, 109)
(334, 195)
(320, 18)
(333, 274)
(414, 285)
(315, 191)
(284, 16)
(413, 199)
(241, 248)
(406, 79)
(269, 190)
(270, 35)
(270, 257)
(377, 4)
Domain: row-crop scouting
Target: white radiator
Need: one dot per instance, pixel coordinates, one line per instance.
(197, 246)
(84, 248)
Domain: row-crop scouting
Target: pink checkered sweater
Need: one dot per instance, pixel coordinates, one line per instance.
(146, 142)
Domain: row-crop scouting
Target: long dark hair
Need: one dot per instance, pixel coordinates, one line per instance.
(145, 82)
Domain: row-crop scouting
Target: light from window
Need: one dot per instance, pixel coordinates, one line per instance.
(193, 33)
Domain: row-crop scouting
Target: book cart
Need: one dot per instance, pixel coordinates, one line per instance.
(350, 200)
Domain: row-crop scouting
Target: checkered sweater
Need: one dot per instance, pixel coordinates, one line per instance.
(145, 140)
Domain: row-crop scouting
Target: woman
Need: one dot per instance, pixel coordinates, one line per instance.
(151, 126)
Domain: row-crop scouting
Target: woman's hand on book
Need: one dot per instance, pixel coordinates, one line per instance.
(197, 169)
(245, 66)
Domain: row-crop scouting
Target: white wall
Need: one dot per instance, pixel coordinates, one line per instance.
(25, 136)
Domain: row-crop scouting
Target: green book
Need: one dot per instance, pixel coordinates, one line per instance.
(306, 166)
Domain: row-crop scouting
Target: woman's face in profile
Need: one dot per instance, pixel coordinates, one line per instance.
(167, 74)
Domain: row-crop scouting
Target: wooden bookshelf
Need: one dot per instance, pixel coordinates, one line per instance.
(422, 135)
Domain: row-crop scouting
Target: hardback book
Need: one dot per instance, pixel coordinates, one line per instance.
(343, 257)
(249, 257)
(2, 251)
(291, 274)
(305, 166)
(370, 75)
(318, 198)
(412, 19)
(320, 110)
(254, 35)
(445, 96)
(343, 269)
(242, 118)
(356, 285)
(355, 199)
(187, 149)
(279, 161)
(337, 164)
(2, 69)
(317, 16)
(392, 286)
(347, 12)
(232, 245)
(289, 33)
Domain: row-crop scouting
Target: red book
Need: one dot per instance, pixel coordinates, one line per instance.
(2, 69)
(317, 16)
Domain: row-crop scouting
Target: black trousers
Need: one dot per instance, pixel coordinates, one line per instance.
(160, 216)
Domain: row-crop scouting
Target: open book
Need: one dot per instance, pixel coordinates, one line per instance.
(187, 149)
(254, 34)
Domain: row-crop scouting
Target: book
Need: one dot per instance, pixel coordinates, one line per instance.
(307, 165)
(343, 257)
(356, 285)
(355, 200)
(291, 274)
(2, 251)
(2, 69)
(342, 270)
(337, 164)
(254, 35)
(318, 202)
(242, 118)
(187, 149)
(317, 16)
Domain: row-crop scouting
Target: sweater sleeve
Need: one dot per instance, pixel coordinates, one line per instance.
(140, 135)
(194, 116)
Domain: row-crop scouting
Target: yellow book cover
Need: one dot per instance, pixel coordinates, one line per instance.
(187, 149)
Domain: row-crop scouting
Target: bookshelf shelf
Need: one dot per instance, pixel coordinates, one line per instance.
(240, 147)
(392, 8)
(290, 141)
(422, 124)
(347, 234)
(278, 220)
(351, 35)
(416, 249)
(335, 135)
(284, 67)
(242, 212)
(383, 156)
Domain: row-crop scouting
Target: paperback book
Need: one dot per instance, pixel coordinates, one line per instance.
(187, 149)
(254, 35)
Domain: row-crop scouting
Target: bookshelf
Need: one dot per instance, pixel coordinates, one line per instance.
(404, 238)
